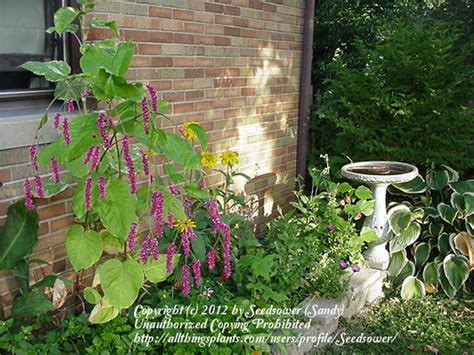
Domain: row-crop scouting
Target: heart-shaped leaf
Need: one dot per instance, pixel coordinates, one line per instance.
(405, 238)
(412, 288)
(422, 252)
(84, 249)
(456, 270)
(399, 218)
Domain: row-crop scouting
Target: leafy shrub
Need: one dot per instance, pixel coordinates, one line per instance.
(304, 248)
(408, 99)
(432, 246)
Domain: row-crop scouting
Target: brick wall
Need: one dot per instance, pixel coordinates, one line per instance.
(232, 65)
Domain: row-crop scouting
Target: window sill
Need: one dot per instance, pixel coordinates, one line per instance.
(19, 130)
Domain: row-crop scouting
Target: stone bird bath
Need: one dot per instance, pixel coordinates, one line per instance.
(379, 175)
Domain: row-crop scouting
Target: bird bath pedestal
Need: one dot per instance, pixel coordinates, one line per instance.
(379, 175)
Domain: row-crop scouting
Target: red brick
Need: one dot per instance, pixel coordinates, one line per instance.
(211, 7)
(183, 38)
(162, 62)
(149, 48)
(5, 175)
(182, 108)
(231, 31)
(232, 10)
(256, 4)
(221, 41)
(160, 12)
(193, 73)
(61, 223)
(183, 15)
(51, 211)
(161, 37)
(269, 7)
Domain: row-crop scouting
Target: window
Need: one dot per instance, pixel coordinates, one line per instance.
(23, 38)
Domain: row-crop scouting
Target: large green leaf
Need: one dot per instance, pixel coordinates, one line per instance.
(200, 133)
(415, 186)
(121, 281)
(430, 274)
(447, 213)
(155, 271)
(122, 58)
(63, 20)
(463, 186)
(55, 70)
(456, 270)
(448, 289)
(422, 252)
(91, 295)
(117, 210)
(103, 312)
(84, 249)
(407, 237)
(440, 179)
(408, 270)
(31, 304)
(195, 191)
(93, 59)
(443, 243)
(19, 235)
(179, 150)
(398, 261)
(399, 218)
(412, 288)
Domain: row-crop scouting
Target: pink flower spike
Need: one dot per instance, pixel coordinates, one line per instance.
(101, 126)
(170, 251)
(157, 211)
(70, 105)
(95, 158)
(202, 184)
(146, 115)
(56, 119)
(55, 170)
(132, 233)
(87, 193)
(185, 244)
(145, 162)
(33, 150)
(102, 183)
(28, 195)
(185, 272)
(130, 166)
(89, 154)
(153, 97)
(66, 132)
(170, 220)
(196, 266)
(172, 189)
(226, 252)
(211, 259)
(39, 186)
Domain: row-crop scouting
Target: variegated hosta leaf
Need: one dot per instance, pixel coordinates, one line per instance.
(399, 218)
(465, 244)
(412, 288)
(407, 237)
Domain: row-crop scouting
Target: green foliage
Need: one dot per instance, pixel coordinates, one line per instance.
(431, 245)
(84, 248)
(408, 100)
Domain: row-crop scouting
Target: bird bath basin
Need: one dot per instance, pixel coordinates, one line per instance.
(379, 175)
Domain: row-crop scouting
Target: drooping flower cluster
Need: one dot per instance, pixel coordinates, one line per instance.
(185, 272)
(170, 220)
(33, 150)
(211, 259)
(146, 115)
(196, 267)
(129, 162)
(173, 190)
(153, 97)
(170, 251)
(132, 234)
(102, 190)
(28, 195)
(56, 120)
(102, 127)
(157, 211)
(92, 156)
(70, 105)
(188, 203)
(149, 247)
(39, 186)
(226, 252)
(145, 162)
(185, 244)
(55, 170)
(66, 132)
(88, 193)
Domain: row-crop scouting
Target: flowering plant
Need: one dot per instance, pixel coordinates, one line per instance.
(109, 141)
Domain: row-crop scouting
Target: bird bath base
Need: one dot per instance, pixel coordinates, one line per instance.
(379, 175)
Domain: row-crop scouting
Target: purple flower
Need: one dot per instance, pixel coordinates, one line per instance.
(87, 193)
(330, 228)
(33, 150)
(66, 132)
(129, 162)
(172, 189)
(170, 251)
(145, 162)
(213, 209)
(102, 182)
(39, 186)
(211, 259)
(185, 244)
(132, 233)
(55, 170)
(101, 126)
(170, 220)
(185, 272)
(153, 97)
(355, 268)
(86, 93)
(196, 266)
(343, 264)
(56, 119)
(191, 233)
(89, 154)
(70, 105)
(28, 195)
(146, 115)
(226, 252)
(149, 246)
(157, 211)
(187, 203)
(95, 156)
(202, 184)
